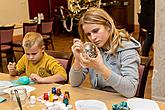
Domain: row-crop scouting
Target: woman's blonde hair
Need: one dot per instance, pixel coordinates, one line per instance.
(32, 38)
(99, 16)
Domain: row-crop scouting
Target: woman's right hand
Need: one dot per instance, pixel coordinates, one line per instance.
(77, 48)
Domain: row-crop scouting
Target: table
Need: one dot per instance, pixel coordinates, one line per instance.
(18, 26)
(76, 93)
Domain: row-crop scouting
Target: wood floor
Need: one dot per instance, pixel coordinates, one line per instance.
(63, 42)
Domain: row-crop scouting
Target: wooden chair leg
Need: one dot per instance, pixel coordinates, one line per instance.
(14, 57)
(52, 43)
(1, 68)
(142, 35)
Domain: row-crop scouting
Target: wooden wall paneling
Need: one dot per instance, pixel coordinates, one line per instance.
(122, 11)
(48, 8)
(38, 6)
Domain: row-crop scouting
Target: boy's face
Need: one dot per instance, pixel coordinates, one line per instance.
(34, 54)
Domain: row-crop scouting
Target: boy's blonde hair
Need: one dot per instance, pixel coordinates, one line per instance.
(32, 38)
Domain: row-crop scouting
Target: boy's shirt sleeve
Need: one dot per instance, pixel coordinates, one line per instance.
(20, 67)
(56, 68)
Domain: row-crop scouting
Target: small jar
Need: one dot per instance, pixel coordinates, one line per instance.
(90, 49)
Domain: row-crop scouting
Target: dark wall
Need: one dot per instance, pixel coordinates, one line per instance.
(48, 8)
(122, 11)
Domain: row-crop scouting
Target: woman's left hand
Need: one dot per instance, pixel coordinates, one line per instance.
(95, 63)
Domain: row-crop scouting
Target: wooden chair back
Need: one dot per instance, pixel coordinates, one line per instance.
(46, 29)
(143, 74)
(6, 44)
(65, 58)
(29, 27)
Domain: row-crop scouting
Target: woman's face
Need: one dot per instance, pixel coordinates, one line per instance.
(96, 33)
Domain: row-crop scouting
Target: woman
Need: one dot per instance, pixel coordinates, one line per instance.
(115, 68)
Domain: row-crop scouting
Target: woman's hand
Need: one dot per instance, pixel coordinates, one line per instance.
(95, 63)
(77, 48)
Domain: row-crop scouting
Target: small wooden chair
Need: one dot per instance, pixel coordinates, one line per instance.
(142, 31)
(46, 31)
(27, 27)
(65, 58)
(143, 74)
(6, 43)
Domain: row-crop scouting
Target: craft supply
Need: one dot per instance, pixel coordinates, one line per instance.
(55, 98)
(4, 85)
(120, 106)
(90, 49)
(51, 97)
(46, 96)
(50, 100)
(49, 104)
(32, 100)
(66, 101)
(43, 101)
(18, 99)
(66, 94)
(24, 80)
(58, 91)
(53, 90)
(66, 98)
(69, 106)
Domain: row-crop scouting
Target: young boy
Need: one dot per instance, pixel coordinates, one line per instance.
(36, 64)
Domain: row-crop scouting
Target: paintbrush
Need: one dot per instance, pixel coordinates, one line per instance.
(18, 99)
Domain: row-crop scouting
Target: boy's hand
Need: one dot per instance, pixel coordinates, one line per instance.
(11, 66)
(35, 78)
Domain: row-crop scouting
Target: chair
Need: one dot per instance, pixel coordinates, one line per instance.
(142, 35)
(46, 31)
(6, 43)
(143, 74)
(142, 31)
(27, 27)
(65, 58)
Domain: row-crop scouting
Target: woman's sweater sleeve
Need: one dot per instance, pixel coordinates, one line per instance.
(76, 77)
(126, 83)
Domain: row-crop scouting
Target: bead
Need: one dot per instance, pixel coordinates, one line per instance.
(51, 97)
(58, 91)
(46, 97)
(53, 90)
(66, 101)
(67, 94)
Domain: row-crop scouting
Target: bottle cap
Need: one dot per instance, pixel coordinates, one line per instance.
(32, 99)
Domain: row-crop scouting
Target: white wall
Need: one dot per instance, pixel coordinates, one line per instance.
(13, 11)
(137, 10)
(158, 82)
